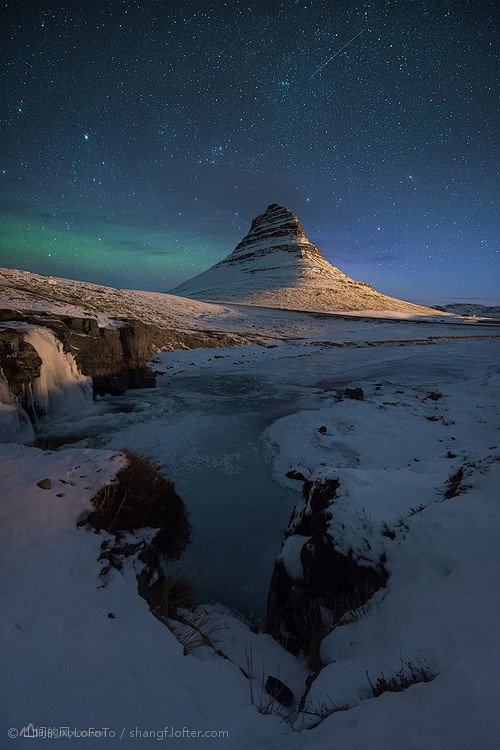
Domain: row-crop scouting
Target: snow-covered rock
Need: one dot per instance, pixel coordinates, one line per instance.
(314, 585)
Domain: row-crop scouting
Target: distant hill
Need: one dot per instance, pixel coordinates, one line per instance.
(462, 308)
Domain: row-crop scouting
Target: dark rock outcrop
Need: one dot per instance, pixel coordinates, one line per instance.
(278, 690)
(115, 358)
(303, 609)
(19, 360)
(354, 393)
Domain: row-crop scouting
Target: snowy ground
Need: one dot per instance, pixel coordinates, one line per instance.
(23, 290)
(227, 425)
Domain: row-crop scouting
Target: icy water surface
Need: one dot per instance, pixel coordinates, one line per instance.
(206, 433)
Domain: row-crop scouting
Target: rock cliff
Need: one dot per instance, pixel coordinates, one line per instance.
(19, 360)
(313, 585)
(115, 358)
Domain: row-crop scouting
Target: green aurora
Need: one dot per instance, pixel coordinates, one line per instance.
(106, 252)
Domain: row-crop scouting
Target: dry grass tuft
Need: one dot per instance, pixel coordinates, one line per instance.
(141, 497)
(408, 674)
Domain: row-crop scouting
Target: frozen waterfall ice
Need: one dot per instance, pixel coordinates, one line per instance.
(60, 389)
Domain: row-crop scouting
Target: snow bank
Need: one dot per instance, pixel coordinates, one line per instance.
(394, 454)
(79, 654)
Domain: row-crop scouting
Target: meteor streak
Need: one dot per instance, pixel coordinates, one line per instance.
(337, 53)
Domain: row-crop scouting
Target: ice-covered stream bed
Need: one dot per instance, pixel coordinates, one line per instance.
(206, 424)
(206, 432)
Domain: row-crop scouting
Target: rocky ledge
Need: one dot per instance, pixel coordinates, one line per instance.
(115, 358)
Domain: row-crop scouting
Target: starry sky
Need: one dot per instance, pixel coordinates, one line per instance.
(139, 139)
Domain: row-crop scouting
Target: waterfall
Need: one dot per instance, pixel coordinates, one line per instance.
(60, 390)
(15, 425)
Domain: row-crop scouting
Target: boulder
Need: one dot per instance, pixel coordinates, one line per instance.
(354, 393)
(279, 691)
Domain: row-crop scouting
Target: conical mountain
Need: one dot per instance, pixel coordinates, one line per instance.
(275, 265)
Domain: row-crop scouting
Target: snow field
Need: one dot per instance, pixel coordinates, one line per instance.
(68, 663)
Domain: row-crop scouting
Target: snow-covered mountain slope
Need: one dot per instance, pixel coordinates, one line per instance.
(275, 265)
(32, 292)
(25, 290)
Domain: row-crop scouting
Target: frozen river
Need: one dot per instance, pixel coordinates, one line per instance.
(205, 425)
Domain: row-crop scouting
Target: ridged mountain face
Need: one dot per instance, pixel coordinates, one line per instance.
(277, 229)
(275, 265)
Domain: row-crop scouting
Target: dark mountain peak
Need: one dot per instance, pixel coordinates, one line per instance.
(277, 229)
(276, 219)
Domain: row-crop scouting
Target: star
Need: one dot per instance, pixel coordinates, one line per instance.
(358, 117)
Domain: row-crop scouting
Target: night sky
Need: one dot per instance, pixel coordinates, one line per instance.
(139, 139)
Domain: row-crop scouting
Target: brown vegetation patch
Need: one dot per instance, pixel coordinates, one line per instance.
(140, 497)
(408, 674)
